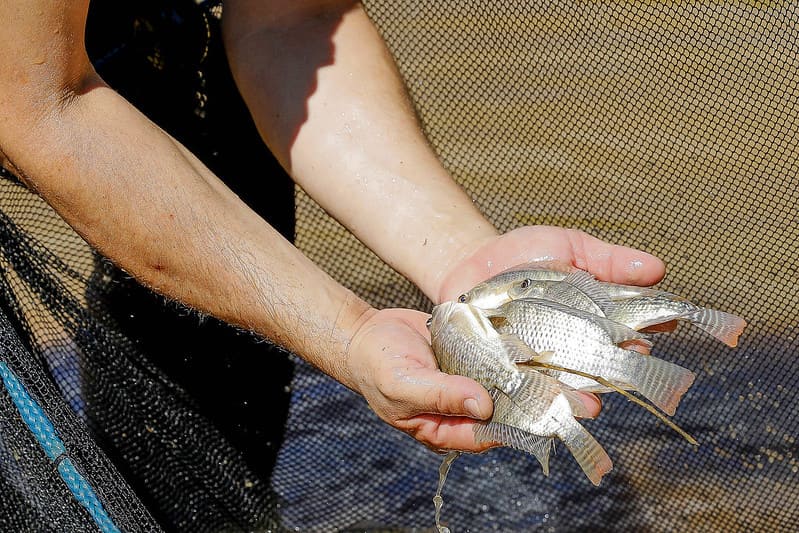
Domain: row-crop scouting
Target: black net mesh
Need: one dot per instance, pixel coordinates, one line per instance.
(670, 127)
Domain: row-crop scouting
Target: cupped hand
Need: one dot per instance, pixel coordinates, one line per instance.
(392, 365)
(552, 247)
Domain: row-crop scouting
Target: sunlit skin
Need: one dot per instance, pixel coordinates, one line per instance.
(329, 102)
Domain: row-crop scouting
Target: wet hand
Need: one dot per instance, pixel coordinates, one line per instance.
(552, 247)
(391, 364)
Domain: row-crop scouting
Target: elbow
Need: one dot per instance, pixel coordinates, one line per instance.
(33, 105)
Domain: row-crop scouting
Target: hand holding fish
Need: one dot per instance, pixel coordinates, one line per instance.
(391, 364)
(559, 249)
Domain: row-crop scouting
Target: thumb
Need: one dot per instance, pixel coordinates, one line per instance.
(428, 390)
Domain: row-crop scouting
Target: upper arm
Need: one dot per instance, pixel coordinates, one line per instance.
(246, 16)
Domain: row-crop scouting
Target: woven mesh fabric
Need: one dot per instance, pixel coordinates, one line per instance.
(670, 127)
(667, 126)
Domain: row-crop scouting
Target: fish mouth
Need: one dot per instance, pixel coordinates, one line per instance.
(440, 316)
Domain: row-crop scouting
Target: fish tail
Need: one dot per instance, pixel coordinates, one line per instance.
(724, 326)
(588, 453)
(663, 382)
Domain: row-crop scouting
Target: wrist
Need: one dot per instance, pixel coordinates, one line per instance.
(463, 263)
(352, 317)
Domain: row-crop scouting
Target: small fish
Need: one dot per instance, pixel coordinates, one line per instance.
(530, 407)
(579, 290)
(579, 340)
(515, 428)
(640, 312)
(635, 307)
(493, 292)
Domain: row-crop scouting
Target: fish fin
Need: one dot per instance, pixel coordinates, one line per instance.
(662, 382)
(621, 333)
(492, 312)
(517, 349)
(588, 285)
(545, 357)
(588, 453)
(518, 439)
(534, 394)
(496, 318)
(724, 326)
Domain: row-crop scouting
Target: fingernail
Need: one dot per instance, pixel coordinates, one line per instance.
(473, 408)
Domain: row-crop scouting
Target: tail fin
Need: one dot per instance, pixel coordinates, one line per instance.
(663, 382)
(588, 453)
(724, 326)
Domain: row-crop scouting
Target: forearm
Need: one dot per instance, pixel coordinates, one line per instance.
(330, 103)
(142, 200)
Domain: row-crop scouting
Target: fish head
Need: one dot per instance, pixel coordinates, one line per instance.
(463, 316)
(494, 291)
(439, 317)
(526, 288)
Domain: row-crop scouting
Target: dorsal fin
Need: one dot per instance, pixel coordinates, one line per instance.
(589, 286)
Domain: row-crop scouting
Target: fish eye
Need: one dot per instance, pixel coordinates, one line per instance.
(526, 283)
(429, 322)
(462, 298)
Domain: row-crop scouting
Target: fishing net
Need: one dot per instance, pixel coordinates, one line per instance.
(670, 127)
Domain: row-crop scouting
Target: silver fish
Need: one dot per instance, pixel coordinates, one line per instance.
(493, 292)
(648, 310)
(635, 307)
(530, 407)
(579, 340)
(579, 290)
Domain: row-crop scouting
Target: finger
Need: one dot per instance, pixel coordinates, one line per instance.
(445, 433)
(615, 263)
(592, 405)
(430, 391)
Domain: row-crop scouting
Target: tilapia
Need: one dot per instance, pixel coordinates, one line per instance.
(579, 290)
(493, 292)
(579, 340)
(530, 407)
(635, 307)
(641, 312)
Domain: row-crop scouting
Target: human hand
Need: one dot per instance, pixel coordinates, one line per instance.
(556, 248)
(552, 247)
(391, 363)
